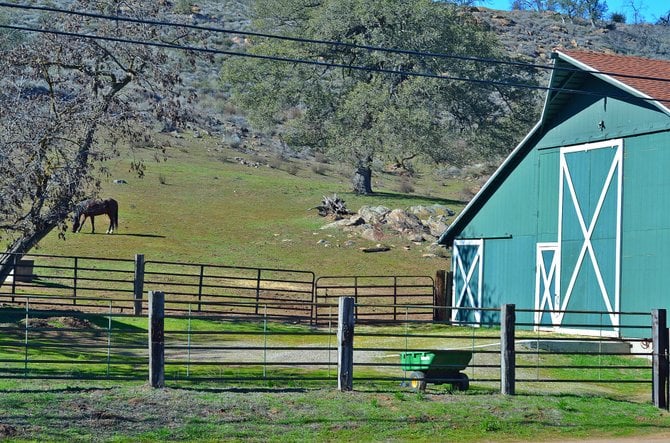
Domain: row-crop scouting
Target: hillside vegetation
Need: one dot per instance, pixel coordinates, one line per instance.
(204, 205)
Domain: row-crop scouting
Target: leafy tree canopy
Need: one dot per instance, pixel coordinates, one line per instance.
(360, 115)
(65, 102)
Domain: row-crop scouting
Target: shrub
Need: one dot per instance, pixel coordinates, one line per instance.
(319, 169)
(292, 168)
(406, 186)
(618, 17)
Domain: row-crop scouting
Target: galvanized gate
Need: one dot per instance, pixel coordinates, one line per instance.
(378, 298)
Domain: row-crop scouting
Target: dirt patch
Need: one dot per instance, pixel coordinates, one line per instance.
(59, 322)
(7, 431)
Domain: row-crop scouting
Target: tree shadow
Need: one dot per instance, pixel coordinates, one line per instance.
(413, 197)
(141, 235)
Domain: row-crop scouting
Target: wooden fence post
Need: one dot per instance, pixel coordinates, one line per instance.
(660, 358)
(138, 283)
(156, 339)
(443, 290)
(507, 355)
(345, 344)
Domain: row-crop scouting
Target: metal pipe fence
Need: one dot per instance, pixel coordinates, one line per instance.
(89, 282)
(68, 281)
(378, 298)
(237, 290)
(37, 343)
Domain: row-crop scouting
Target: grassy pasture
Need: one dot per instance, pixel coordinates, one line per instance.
(202, 206)
(299, 409)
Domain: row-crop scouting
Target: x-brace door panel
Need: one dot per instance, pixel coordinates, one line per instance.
(467, 265)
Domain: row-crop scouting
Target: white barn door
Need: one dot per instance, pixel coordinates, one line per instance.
(583, 273)
(467, 263)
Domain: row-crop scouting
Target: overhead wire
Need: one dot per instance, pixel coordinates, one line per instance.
(315, 63)
(520, 64)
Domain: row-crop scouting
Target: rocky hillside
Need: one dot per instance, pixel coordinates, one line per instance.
(532, 35)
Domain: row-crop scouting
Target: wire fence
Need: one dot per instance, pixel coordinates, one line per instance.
(38, 343)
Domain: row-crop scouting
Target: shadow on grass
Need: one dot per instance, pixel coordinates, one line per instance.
(413, 197)
(133, 235)
(249, 390)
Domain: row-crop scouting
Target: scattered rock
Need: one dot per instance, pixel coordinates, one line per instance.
(120, 181)
(373, 214)
(418, 224)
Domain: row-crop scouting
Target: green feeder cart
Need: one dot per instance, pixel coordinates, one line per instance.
(436, 366)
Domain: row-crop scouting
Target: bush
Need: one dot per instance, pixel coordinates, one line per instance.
(406, 186)
(618, 17)
(319, 169)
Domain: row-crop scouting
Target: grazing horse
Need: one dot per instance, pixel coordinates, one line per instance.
(91, 208)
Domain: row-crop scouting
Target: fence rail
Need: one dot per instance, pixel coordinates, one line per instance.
(88, 282)
(201, 347)
(378, 298)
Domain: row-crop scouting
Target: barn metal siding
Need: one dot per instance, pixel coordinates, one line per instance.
(596, 117)
(508, 225)
(513, 207)
(646, 223)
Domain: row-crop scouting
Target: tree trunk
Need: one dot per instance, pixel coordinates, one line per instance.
(19, 248)
(362, 180)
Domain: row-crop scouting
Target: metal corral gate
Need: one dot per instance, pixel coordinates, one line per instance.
(241, 291)
(378, 298)
(66, 281)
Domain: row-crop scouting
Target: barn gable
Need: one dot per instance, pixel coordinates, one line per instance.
(576, 90)
(548, 231)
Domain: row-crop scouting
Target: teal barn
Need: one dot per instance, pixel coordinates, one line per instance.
(574, 227)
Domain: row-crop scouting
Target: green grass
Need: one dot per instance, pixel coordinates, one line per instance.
(60, 412)
(242, 405)
(212, 210)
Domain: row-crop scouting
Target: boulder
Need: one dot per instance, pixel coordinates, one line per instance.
(336, 224)
(373, 214)
(400, 220)
(436, 224)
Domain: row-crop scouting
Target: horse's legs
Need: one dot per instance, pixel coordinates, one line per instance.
(110, 230)
(92, 224)
(81, 222)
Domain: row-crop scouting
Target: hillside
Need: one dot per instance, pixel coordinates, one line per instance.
(526, 35)
(205, 206)
(532, 35)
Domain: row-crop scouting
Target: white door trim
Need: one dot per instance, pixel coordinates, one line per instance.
(544, 298)
(465, 293)
(615, 170)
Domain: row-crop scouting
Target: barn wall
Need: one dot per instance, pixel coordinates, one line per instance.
(645, 277)
(580, 120)
(508, 225)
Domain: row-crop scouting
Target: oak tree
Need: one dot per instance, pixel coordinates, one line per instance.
(352, 108)
(67, 101)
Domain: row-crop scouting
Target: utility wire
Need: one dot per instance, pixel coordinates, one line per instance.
(327, 42)
(322, 63)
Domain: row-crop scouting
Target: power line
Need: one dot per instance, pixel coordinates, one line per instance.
(322, 63)
(270, 57)
(328, 42)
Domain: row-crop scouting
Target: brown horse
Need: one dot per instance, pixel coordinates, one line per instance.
(91, 208)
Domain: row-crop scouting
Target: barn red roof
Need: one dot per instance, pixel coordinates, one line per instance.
(648, 76)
